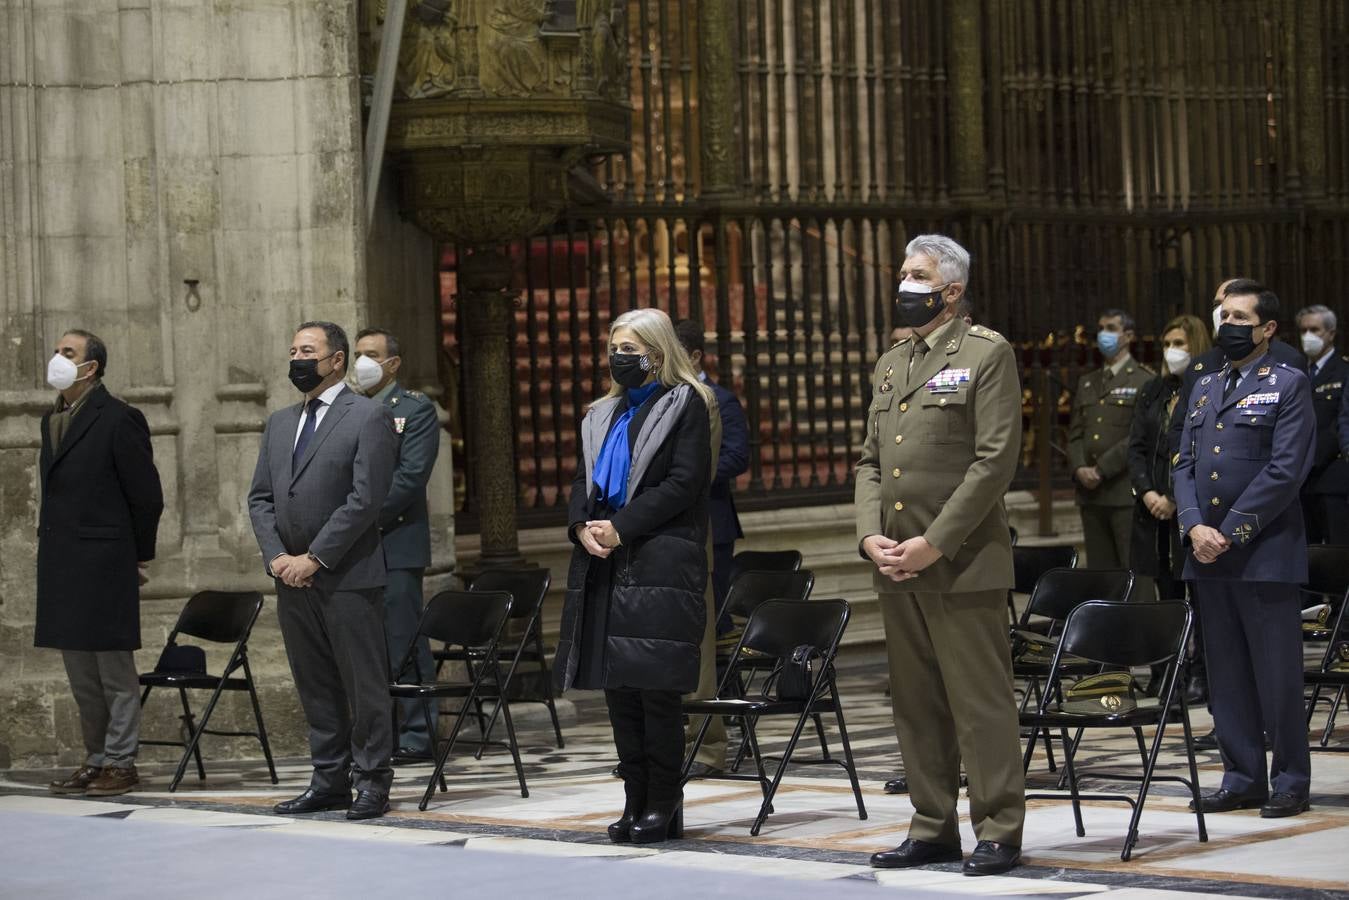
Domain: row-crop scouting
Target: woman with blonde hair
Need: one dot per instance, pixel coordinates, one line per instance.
(634, 612)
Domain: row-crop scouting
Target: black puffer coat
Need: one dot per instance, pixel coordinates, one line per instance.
(636, 619)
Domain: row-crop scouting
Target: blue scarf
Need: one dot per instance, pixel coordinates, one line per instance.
(615, 460)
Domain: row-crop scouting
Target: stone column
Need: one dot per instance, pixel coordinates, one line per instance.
(1311, 132)
(716, 97)
(969, 157)
(487, 304)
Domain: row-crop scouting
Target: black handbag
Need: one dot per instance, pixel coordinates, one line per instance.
(797, 676)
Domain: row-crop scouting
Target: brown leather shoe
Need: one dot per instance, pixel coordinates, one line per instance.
(77, 783)
(113, 781)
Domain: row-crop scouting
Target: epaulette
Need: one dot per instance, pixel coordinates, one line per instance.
(415, 395)
(987, 334)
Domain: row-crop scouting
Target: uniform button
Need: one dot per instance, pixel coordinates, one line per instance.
(1219, 426)
(1100, 418)
(898, 506)
(1216, 502)
(941, 402)
(899, 439)
(1095, 437)
(896, 473)
(1217, 449)
(1213, 476)
(903, 407)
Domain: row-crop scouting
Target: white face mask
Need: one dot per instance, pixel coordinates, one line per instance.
(1176, 359)
(62, 373)
(1217, 317)
(1312, 344)
(368, 372)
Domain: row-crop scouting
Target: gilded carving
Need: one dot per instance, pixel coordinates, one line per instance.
(428, 52)
(516, 57)
(716, 83)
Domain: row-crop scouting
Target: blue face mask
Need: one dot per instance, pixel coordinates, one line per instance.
(1109, 342)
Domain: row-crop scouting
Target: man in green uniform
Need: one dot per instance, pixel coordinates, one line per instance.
(1098, 443)
(942, 441)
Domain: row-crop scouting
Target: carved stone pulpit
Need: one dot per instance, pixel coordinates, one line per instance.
(496, 102)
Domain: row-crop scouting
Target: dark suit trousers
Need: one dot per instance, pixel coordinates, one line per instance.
(402, 615)
(649, 734)
(1253, 647)
(335, 643)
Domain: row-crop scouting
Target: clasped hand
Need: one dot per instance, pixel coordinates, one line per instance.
(295, 571)
(900, 560)
(1208, 543)
(598, 537)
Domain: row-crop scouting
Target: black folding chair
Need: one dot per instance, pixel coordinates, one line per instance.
(1121, 635)
(528, 587)
(747, 592)
(1029, 563)
(473, 621)
(764, 561)
(1328, 581)
(776, 629)
(221, 617)
(1057, 593)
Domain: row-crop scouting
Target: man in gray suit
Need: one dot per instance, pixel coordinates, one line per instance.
(323, 473)
(405, 527)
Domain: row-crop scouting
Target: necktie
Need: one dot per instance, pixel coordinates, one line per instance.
(920, 349)
(1232, 378)
(306, 432)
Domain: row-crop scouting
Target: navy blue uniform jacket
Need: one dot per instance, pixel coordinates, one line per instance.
(731, 463)
(1241, 467)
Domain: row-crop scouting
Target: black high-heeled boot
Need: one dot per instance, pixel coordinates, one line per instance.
(662, 822)
(620, 832)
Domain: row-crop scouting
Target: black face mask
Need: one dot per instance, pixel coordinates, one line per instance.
(914, 310)
(629, 369)
(1237, 341)
(304, 373)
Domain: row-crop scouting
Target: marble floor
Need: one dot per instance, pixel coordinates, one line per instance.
(813, 836)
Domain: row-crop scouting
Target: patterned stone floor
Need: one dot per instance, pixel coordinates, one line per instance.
(815, 834)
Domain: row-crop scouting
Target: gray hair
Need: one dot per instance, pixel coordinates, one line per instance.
(1328, 320)
(953, 260)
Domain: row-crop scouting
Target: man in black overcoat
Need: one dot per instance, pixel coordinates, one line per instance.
(101, 501)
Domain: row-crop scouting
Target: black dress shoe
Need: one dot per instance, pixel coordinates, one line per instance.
(312, 801)
(1206, 741)
(992, 858)
(1223, 800)
(897, 786)
(914, 853)
(408, 756)
(1283, 804)
(369, 805)
(658, 824)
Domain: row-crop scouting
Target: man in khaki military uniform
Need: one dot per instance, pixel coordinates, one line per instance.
(942, 441)
(1098, 443)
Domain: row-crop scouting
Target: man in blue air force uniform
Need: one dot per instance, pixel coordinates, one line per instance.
(1247, 445)
(404, 525)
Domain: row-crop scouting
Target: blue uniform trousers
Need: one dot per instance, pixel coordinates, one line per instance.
(1253, 647)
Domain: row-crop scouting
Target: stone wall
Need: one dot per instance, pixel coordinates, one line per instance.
(145, 143)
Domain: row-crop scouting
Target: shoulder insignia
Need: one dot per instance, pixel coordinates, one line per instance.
(1198, 367)
(1175, 459)
(416, 395)
(1262, 372)
(987, 334)
(393, 401)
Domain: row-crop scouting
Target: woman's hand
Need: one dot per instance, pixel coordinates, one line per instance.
(587, 539)
(602, 530)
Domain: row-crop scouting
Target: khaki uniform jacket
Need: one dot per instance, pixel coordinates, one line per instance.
(1098, 431)
(941, 447)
